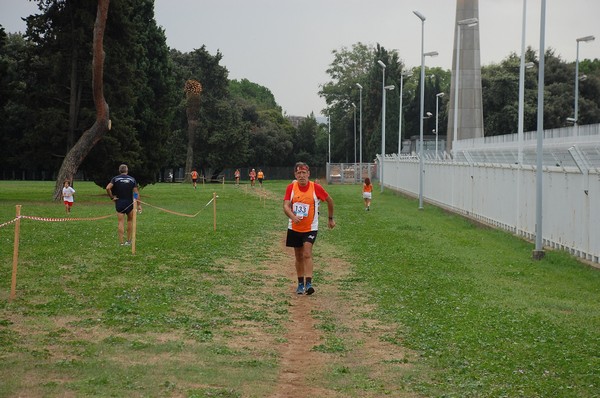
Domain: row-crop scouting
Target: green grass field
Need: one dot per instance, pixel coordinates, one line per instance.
(92, 319)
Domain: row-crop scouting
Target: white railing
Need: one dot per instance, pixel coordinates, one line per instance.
(350, 173)
(503, 194)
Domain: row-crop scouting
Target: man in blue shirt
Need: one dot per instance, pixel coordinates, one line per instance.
(123, 189)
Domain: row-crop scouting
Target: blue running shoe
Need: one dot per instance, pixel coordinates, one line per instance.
(309, 288)
(300, 289)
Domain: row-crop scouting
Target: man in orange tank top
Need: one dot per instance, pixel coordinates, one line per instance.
(301, 205)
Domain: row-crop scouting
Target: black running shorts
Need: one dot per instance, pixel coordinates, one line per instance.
(124, 206)
(297, 239)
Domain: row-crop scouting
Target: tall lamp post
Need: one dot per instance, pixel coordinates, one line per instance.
(576, 117)
(422, 18)
(354, 106)
(539, 253)
(423, 55)
(360, 133)
(464, 22)
(402, 75)
(382, 123)
(437, 97)
(521, 116)
(329, 136)
(383, 88)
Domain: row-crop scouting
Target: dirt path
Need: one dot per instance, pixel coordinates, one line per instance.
(365, 354)
(298, 361)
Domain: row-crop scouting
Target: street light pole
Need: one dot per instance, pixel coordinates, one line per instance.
(521, 119)
(422, 18)
(354, 106)
(402, 75)
(460, 24)
(360, 133)
(421, 116)
(576, 117)
(437, 97)
(385, 88)
(382, 123)
(538, 253)
(329, 135)
(522, 88)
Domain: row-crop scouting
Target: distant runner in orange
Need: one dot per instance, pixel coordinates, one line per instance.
(260, 176)
(194, 177)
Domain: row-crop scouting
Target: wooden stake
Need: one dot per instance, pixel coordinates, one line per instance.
(214, 211)
(134, 229)
(13, 285)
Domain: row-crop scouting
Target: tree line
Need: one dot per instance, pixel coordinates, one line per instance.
(500, 89)
(47, 101)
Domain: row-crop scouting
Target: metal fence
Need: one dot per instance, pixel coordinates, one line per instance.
(485, 183)
(350, 173)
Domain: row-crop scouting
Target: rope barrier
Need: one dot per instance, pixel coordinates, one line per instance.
(9, 222)
(55, 219)
(61, 219)
(64, 219)
(177, 213)
(16, 220)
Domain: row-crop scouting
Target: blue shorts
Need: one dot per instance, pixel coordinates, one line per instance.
(297, 239)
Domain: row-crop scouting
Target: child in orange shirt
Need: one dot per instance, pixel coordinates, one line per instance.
(367, 193)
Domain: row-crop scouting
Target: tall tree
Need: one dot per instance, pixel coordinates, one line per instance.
(260, 96)
(305, 142)
(143, 94)
(138, 84)
(589, 91)
(269, 134)
(90, 137)
(500, 100)
(220, 137)
(271, 140)
(500, 83)
(61, 39)
(193, 88)
(348, 67)
(373, 103)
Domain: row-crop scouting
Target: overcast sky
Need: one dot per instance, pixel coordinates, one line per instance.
(285, 45)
